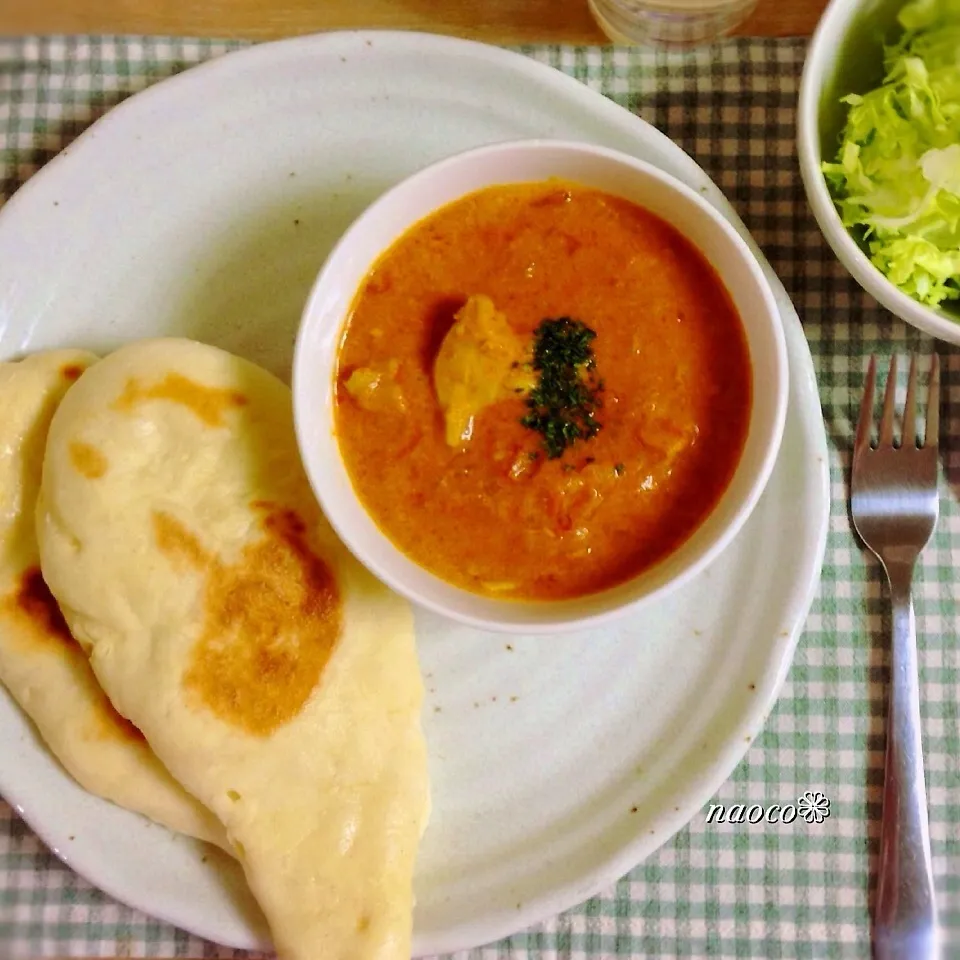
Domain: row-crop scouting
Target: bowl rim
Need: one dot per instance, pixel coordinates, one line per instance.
(741, 509)
(834, 23)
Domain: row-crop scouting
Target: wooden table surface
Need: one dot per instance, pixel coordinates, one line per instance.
(493, 21)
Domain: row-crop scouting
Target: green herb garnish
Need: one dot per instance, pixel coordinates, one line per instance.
(564, 403)
(619, 469)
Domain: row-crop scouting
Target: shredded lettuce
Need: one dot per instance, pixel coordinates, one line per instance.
(896, 176)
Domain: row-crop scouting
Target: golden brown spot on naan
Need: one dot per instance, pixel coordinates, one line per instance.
(33, 603)
(71, 371)
(123, 728)
(177, 542)
(88, 460)
(271, 621)
(209, 404)
(110, 725)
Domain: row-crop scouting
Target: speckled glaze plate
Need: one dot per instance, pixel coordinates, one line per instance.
(204, 207)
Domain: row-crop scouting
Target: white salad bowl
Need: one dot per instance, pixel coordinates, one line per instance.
(846, 56)
(328, 308)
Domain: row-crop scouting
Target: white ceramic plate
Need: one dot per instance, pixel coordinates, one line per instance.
(204, 207)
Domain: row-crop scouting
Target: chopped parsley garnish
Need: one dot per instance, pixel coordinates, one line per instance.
(564, 403)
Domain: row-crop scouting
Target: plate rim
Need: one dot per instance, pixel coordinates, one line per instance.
(799, 598)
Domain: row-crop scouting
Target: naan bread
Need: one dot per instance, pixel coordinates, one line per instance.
(272, 674)
(41, 665)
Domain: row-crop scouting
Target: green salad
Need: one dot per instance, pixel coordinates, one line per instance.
(896, 179)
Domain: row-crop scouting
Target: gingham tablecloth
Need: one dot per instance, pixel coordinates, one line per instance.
(730, 890)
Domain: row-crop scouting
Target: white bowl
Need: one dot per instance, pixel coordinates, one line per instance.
(329, 303)
(846, 55)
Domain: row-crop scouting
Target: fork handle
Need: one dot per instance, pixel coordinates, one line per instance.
(905, 924)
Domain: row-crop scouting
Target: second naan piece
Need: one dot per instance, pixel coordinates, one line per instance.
(273, 675)
(41, 664)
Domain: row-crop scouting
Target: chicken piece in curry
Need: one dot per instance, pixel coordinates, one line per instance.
(480, 361)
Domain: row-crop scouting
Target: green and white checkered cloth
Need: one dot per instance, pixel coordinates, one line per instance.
(796, 890)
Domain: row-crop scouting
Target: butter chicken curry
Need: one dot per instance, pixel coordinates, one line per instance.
(542, 390)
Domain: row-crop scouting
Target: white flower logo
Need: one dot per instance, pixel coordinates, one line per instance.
(813, 806)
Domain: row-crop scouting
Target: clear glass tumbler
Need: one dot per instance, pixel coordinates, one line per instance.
(669, 22)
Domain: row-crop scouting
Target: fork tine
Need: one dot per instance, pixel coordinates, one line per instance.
(885, 438)
(908, 433)
(865, 423)
(931, 435)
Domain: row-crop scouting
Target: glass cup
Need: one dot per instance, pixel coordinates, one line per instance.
(669, 22)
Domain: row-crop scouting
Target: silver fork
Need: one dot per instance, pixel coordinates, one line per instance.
(894, 505)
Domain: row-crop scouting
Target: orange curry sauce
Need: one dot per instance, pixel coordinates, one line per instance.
(497, 516)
